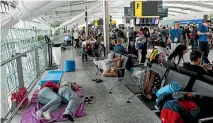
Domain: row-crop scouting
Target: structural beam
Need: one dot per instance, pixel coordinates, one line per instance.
(106, 25)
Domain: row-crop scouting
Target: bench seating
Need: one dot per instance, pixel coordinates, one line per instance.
(206, 102)
(120, 72)
(136, 91)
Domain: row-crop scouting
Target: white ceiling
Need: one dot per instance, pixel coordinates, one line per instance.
(116, 9)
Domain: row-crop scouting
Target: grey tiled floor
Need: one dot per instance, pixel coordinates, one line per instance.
(109, 108)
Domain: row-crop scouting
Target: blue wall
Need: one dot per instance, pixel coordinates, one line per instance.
(192, 21)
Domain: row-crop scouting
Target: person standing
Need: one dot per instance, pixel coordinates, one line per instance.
(76, 36)
(131, 34)
(193, 37)
(203, 32)
(175, 36)
(142, 44)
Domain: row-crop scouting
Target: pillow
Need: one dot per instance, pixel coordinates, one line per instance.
(110, 55)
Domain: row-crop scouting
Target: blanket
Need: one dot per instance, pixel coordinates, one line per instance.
(29, 115)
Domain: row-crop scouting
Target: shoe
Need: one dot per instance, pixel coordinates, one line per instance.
(99, 81)
(91, 99)
(68, 116)
(47, 115)
(86, 100)
(39, 113)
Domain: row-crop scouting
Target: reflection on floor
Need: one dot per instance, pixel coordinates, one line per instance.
(109, 108)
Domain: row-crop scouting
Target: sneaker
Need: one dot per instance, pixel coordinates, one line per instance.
(39, 113)
(47, 115)
(68, 116)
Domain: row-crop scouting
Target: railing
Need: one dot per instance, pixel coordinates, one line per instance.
(28, 67)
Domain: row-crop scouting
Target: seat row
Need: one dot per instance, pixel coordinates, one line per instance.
(190, 82)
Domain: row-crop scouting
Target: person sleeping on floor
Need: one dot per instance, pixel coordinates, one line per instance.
(109, 66)
(52, 96)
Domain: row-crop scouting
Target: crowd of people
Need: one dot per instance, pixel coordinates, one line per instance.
(168, 45)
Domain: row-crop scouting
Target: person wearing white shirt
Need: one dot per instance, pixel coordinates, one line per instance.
(76, 36)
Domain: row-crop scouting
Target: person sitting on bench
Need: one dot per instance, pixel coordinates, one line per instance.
(70, 98)
(118, 47)
(109, 66)
(194, 65)
(49, 98)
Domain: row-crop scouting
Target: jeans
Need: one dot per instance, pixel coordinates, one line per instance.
(50, 99)
(70, 97)
(77, 43)
(204, 48)
(84, 56)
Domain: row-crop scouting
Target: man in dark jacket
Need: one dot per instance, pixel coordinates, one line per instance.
(194, 65)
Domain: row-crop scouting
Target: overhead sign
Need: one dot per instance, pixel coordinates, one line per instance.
(163, 13)
(96, 23)
(127, 11)
(207, 17)
(113, 21)
(138, 8)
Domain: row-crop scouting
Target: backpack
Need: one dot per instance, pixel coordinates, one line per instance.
(154, 56)
(19, 95)
(152, 83)
(183, 111)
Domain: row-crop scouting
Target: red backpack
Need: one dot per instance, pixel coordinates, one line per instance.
(183, 111)
(19, 95)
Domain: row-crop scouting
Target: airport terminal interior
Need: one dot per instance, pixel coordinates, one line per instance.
(107, 61)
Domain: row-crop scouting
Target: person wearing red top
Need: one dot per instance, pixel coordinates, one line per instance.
(49, 98)
(87, 49)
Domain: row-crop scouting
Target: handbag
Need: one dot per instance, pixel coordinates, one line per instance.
(19, 95)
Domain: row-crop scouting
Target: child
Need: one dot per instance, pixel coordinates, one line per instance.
(87, 49)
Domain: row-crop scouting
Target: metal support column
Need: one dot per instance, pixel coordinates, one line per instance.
(45, 54)
(86, 21)
(37, 66)
(20, 71)
(106, 26)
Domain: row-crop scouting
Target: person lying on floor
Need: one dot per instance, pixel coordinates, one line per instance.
(194, 65)
(49, 98)
(109, 66)
(69, 97)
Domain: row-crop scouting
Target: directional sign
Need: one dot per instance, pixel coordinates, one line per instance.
(138, 8)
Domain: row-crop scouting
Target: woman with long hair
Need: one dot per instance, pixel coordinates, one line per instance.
(177, 55)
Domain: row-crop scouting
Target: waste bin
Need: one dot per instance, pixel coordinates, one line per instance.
(69, 65)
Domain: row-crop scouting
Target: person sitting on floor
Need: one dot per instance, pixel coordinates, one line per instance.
(109, 66)
(66, 91)
(194, 65)
(118, 47)
(49, 98)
